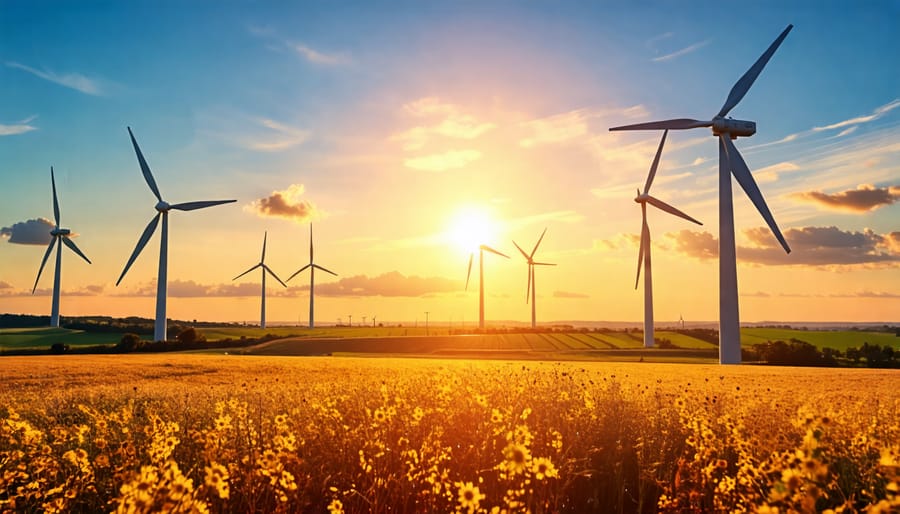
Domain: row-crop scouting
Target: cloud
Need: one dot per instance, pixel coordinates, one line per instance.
(317, 57)
(864, 198)
(812, 246)
(31, 232)
(567, 294)
(877, 113)
(391, 284)
(74, 81)
(455, 124)
(557, 128)
(285, 204)
(5, 285)
(278, 137)
(684, 51)
(19, 127)
(452, 159)
(771, 173)
(89, 290)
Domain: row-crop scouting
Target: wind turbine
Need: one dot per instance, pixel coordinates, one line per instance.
(312, 279)
(730, 162)
(644, 252)
(265, 269)
(162, 211)
(481, 250)
(531, 284)
(63, 235)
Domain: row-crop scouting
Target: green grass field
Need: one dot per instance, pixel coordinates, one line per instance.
(837, 339)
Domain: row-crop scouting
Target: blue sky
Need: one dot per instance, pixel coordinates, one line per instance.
(383, 119)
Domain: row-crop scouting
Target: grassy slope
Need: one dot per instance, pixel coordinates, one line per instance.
(840, 340)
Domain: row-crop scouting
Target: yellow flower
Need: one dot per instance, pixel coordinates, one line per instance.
(469, 496)
(543, 467)
(336, 507)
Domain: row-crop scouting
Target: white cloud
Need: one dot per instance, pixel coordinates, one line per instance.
(684, 51)
(19, 127)
(74, 81)
(877, 113)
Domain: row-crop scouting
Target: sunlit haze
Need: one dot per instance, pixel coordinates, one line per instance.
(410, 133)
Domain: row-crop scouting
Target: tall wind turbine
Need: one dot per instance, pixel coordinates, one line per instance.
(531, 284)
(730, 162)
(644, 252)
(481, 250)
(162, 211)
(63, 235)
(312, 279)
(265, 269)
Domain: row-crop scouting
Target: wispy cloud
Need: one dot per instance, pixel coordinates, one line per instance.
(877, 113)
(74, 81)
(452, 122)
(302, 49)
(19, 127)
(684, 51)
(277, 137)
(567, 294)
(865, 198)
(287, 204)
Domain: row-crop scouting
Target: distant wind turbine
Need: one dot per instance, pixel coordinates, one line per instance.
(644, 252)
(730, 163)
(312, 279)
(162, 208)
(531, 284)
(63, 235)
(265, 269)
(481, 250)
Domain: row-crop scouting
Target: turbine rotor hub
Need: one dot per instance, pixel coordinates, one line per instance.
(60, 232)
(732, 127)
(162, 206)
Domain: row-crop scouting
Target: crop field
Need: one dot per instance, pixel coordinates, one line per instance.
(214, 433)
(837, 339)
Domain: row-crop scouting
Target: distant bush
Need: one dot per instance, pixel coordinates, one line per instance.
(190, 336)
(665, 343)
(59, 348)
(130, 342)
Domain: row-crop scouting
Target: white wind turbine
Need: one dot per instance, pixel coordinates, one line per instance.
(644, 252)
(730, 162)
(162, 208)
(312, 279)
(481, 250)
(62, 234)
(265, 269)
(531, 284)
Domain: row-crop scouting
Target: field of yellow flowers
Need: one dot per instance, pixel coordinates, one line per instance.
(207, 433)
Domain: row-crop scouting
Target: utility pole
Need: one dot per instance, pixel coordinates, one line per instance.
(350, 317)
(426, 323)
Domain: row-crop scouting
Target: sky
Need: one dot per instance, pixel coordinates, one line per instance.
(407, 132)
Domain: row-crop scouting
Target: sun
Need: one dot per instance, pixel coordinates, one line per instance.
(470, 227)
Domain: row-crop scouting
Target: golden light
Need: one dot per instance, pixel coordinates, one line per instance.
(470, 227)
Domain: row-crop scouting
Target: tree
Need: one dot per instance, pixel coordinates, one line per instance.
(129, 343)
(190, 335)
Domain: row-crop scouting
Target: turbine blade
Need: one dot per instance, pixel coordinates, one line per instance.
(267, 269)
(745, 179)
(248, 271)
(469, 273)
(542, 264)
(522, 251)
(676, 124)
(55, 201)
(263, 258)
(528, 289)
(148, 233)
(653, 167)
(145, 169)
(323, 269)
(741, 87)
(43, 262)
(659, 204)
(310, 244)
(488, 248)
(644, 230)
(299, 271)
(537, 244)
(191, 206)
(71, 244)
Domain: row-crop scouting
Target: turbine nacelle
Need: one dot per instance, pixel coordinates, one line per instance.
(162, 206)
(732, 127)
(60, 232)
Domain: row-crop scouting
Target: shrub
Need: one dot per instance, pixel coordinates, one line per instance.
(59, 348)
(129, 343)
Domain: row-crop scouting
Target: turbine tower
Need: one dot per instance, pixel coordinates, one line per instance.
(265, 269)
(531, 284)
(481, 250)
(644, 252)
(730, 162)
(62, 234)
(162, 211)
(312, 279)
